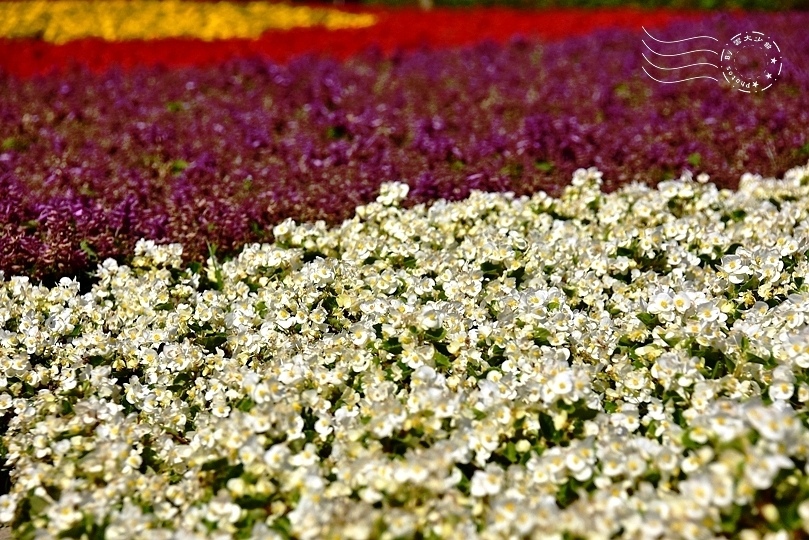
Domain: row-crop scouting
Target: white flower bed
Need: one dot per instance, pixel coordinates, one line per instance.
(629, 364)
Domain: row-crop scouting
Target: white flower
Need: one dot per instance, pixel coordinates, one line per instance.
(276, 457)
(400, 523)
(773, 422)
(487, 482)
(661, 303)
(781, 390)
(735, 268)
(613, 464)
(8, 506)
(224, 510)
(760, 471)
(726, 427)
(562, 383)
(323, 426)
(635, 465)
(575, 461)
(681, 302)
(698, 489)
(709, 312)
(430, 319)
(803, 513)
(285, 319)
(63, 516)
(361, 334)
(391, 193)
(304, 458)
(723, 489)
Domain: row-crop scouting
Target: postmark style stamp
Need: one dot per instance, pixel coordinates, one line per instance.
(749, 62)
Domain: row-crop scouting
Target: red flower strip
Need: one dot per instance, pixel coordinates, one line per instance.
(398, 30)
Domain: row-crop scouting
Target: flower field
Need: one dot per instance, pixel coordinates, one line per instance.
(448, 286)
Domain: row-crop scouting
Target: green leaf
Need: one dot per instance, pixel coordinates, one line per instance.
(178, 166)
(13, 143)
(88, 250)
(211, 341)
(566, 495)
(337, 132)
(546, 425)
(510, 452)
(214, 464)
(492, 270)
(283, 527)
(751, 283)
(149, 459)
(541, 336)
(181, 379)
(730, 365)
(441, 360)
(37, 504)
(518, 275)
(392, 345)
(67, 407)
(688, 442)
(245, 404)
(544, 166)
(768, 363)
(76, 332)
(648, 319)
(435, 334)
(731, 517)
(174, 106)
(583, 413)
(221, 476)
(569, 291)
(251, 502)
(96, 360)
(737, 215)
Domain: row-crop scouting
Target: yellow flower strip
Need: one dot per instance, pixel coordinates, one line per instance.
(119, 20)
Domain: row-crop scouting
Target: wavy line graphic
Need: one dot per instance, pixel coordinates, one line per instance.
(679, 54)
(681, 67)
(679, 80)
(674, 55)
(676, 40)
